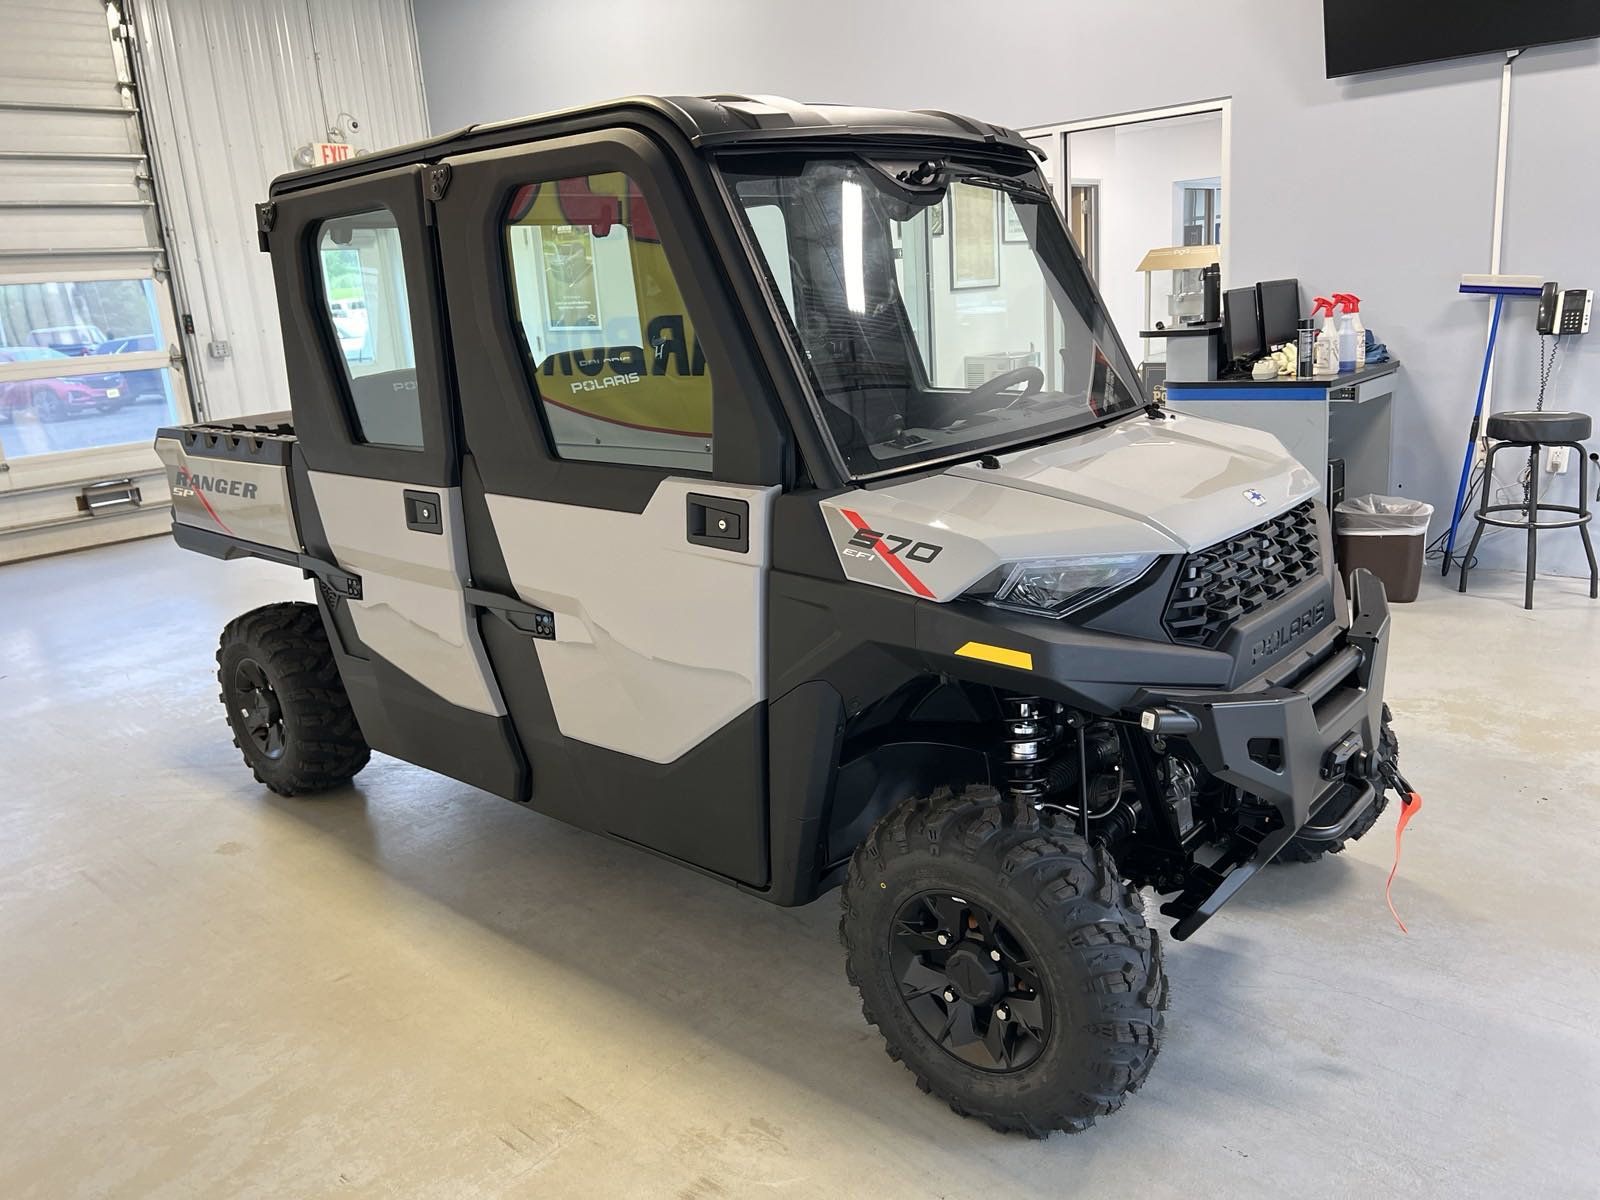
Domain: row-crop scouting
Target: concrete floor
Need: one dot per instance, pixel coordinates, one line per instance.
(409, 988)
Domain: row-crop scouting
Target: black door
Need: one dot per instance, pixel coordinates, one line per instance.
(621, 462)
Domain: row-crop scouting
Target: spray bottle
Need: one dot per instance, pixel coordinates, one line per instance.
(1352, 333)
(1325, 354)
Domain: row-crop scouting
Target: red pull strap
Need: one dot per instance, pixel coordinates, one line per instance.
(1410, 804)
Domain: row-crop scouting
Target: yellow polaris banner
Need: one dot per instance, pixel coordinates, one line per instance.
(607, 328)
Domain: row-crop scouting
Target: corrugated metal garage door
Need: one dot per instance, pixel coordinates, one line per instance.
(88, 330)
(224, 95)
(236, 93)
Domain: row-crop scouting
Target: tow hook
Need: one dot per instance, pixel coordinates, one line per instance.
(1338, 757)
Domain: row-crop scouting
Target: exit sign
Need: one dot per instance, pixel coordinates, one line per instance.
(323, 153)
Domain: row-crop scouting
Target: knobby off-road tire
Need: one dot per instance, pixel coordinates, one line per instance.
(285, 703)
(1308, 850)
(1051, 902)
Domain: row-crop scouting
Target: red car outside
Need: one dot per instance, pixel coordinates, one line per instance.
(57, 398)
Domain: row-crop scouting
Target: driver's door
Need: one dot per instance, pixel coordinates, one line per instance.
(617, 492)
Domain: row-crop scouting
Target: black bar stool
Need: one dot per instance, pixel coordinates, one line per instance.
(1535, 430)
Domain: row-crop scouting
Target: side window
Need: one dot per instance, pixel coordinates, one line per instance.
(364, 290)
(611, 346)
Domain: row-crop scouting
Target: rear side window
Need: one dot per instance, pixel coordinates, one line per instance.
(610, 343)
(364, 293)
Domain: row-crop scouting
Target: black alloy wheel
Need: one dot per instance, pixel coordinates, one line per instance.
(970, 982)
(1004, 960)
(286, 704)
(259, 712)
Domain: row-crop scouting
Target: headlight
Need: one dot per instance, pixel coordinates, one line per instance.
(1054, 587)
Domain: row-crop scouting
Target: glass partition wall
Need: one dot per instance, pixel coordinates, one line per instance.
(1133, 183)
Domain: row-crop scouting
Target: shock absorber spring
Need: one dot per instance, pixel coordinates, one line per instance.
(1030, 738)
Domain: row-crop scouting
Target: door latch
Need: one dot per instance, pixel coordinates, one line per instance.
(719, 522)
(424, 512)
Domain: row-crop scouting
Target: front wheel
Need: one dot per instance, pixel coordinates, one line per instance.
(1004, 962)
(285, 701)
(47, 405)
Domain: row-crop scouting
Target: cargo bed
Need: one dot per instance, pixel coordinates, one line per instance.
(233, 493)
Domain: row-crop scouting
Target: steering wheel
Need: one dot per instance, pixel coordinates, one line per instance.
(1032, 379)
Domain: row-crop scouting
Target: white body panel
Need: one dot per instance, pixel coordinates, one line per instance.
(236, 497)
(659, 642)
(1135, 486)
(412, 611)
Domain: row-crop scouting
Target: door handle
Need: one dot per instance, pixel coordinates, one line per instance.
(719, 522)
(424, 512)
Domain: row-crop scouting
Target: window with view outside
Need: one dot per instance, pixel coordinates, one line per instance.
(939, 319)
(611, 346)
(58, 392)
(364, 288)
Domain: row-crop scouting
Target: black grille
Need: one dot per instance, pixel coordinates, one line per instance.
(1218, 585)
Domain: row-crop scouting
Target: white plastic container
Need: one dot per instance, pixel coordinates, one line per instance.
(1325, 351)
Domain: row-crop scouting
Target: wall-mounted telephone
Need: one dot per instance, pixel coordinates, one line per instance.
(1564, 311)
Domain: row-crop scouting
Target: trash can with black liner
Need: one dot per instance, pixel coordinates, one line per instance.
(1386, 535)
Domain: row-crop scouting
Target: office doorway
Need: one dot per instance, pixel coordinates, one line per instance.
(1134, 182)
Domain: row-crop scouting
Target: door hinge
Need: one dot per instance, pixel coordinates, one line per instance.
(266, 218)
(436, 182)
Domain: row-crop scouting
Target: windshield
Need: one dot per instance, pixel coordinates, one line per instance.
(938, 305)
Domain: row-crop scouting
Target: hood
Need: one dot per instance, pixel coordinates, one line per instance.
(1133, 487)
(1196, 480)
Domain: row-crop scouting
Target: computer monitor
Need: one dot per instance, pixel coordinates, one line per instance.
(1241, 324)
(1279, 303)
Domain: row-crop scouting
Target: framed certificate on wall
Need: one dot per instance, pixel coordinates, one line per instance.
(975, 236)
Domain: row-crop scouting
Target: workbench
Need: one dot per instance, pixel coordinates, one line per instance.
(1346, 417)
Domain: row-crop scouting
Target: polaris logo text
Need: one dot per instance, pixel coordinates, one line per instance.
(1289, 633)
(187, 484)
(595, 385)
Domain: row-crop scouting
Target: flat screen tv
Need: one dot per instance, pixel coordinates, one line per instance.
(1369, 35)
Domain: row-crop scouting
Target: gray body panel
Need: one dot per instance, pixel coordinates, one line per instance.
(1135, 486)
(412, 609)
(659, 642)
(240, 498)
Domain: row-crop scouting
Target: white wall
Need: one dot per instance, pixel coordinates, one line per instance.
(1382, 183)
(1136, 167)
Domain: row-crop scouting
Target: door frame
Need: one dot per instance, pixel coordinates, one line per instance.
(1059, 168)
(750, 436)
(329, 437)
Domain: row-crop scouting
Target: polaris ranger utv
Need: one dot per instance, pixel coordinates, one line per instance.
(766, 486)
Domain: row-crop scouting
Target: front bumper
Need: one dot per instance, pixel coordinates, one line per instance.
(1305, 750)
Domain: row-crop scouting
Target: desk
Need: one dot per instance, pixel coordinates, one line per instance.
(1345, 417)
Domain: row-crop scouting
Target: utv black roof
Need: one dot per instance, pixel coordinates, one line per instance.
(708, 122)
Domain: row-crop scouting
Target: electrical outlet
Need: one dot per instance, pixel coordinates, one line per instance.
(1555, 459)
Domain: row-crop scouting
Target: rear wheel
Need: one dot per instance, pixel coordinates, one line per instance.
(1003, 961)
(1308, 849)
(47, 405)
(285, 702)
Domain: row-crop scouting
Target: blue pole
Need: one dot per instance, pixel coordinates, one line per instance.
(1472, 438)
